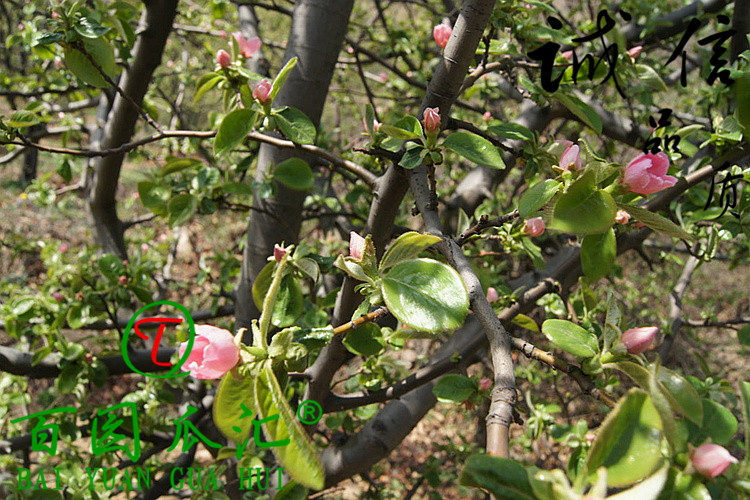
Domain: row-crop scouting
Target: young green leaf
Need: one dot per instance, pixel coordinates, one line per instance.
(295, 125)
(571, 338)
(407, 246)
(229, 415)
(455, 387)
(233, 129)
(583, 209)
(475, 148)
(181, 208)
(502, 477)
(365, 340)
(656, 222)
(535, 197)
(299, 457)
(598, 253)
(586, 113)
(426, 295)
(281, 78)
(100, 51)
(294, 173)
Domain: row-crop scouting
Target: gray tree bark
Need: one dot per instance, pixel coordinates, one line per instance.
(316, 36)
(154, 28)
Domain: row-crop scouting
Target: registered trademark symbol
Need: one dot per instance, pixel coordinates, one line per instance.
(309, 412)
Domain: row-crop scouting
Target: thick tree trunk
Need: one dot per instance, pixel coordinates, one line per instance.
(316, 36)
(154, 28)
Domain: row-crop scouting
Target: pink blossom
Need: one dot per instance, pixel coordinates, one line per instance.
(350, 50)
(622, 217)
(492, 295)
(123, 280)
(58, 63)
(262, 90)
(431, 120)
(638, 340)
(647, 173)
(571, 159)
(278, 253)
(635, 51)
(375, 126)
(63, 247)
(57, 296)
(487, 116)
(214, 353)
(170, 64)
(60, 115)
(383, 76)
(144, 247)
(590, 436)
(356, 245)
(223, 34)
(534, 227)
(711, 460)
(55, 15)
(568, 54)
(485, 384)
(247, 47)
(442, 33)
(223, 58)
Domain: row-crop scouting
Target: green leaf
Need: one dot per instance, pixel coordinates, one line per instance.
(571, 338)
(534, 198)
(745, 397)
(525, 322)
(648, 489)
(475, 148)
(586, 113)
(628, 442)
(23, 118)
(583, 209)
(295, 174)
(111, 266)
(89, 28)
(179, 164)
(650, 77)
(68, 378)
(46, 38)
(299, 457)
(278, 82)
(206, 84)
(407, 246)
(656, 222)
(502, 477)
(77, 316)
(100, 51)
(154, 196)
(65, 171)
(295, 125)
(742, 94)
(40, 494)
(682, 396)
(291, 491)
(239, 188)
(407, 127)
(289, 301)
(227, 410)
(426, 295)
(598, 253)
(454, 387)
(233, 130)
(743, 335)
(413, 156)
(181, 208)
(718, 424)
(512, 131)
(365, 340)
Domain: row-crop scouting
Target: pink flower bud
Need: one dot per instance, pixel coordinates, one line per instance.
(170, 64)
(590, 436)
(350, 50)
(60, 115)
(63, 247)
(57, 296)
(534, 227)
(144, 247)
(79, 296)
(639, 225)
(431, 120)
(442, 33)
(247, 47)
(278, 253)
(214, 353)
(622, 217)
(58, 63)
(492, 295)
(571, 159)
(223, 34)
(487, 116)
(123, 280)
(223, 58)
(568, 54)
(262, 90)
(711, 460)
(635, 51)
(638, 340)
(383, 76)
(647, 173)
(55, 15)
(356, 245)
(485, 384)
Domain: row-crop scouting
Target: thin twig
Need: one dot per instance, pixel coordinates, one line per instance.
(484, 223)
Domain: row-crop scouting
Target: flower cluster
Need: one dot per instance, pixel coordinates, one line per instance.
(246, 47)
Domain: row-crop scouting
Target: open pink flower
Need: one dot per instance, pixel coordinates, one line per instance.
(214, 353)
(431, 120)
(638, 340)
(622, 217)
(635, 51)
(356, 245)
(247, 47)
(262, 90)
(711, 460)
(534, 227)
(647, 173)
(278, 253)
(442, 33)
(223, 58)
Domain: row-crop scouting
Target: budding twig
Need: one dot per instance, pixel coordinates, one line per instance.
(365, 318)
(485, 222)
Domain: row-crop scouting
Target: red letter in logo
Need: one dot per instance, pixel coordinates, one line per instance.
(159, 333)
